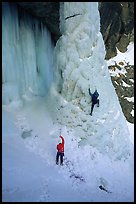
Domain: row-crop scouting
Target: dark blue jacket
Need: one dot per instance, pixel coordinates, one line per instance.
(94, 96)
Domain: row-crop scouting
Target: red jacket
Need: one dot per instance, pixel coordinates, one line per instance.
(60, 147)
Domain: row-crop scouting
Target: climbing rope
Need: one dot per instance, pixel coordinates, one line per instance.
(61, 119)
(93, 85)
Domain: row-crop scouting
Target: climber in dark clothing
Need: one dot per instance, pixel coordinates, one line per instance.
(95, 99)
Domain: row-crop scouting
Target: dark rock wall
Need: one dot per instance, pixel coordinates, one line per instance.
(125, 92)
(117, 28)
(117, 25)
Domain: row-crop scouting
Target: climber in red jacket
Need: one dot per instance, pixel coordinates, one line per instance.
(60, 153)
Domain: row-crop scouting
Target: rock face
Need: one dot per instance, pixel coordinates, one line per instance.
(117, 25)
(124, 86)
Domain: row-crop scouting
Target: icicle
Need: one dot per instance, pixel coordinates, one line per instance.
(32, 49)
(42, 29)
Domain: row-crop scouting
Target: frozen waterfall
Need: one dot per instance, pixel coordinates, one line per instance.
(26, 55)
(31, 65)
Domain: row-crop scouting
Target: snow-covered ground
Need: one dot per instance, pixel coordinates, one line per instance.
(29, 140)
(29, 172)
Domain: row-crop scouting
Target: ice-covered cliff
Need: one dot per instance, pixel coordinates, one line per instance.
(33, 67)
(80, 54)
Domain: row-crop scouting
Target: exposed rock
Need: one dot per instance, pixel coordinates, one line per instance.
(123, 43)
(124, 86)
(26, 133)
(117, 25)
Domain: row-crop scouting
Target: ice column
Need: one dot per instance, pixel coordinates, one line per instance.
(80, 64)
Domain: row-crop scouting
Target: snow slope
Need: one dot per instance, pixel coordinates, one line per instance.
(29, 169)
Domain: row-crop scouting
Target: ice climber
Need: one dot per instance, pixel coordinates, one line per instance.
(95, 99)
(60, 153)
